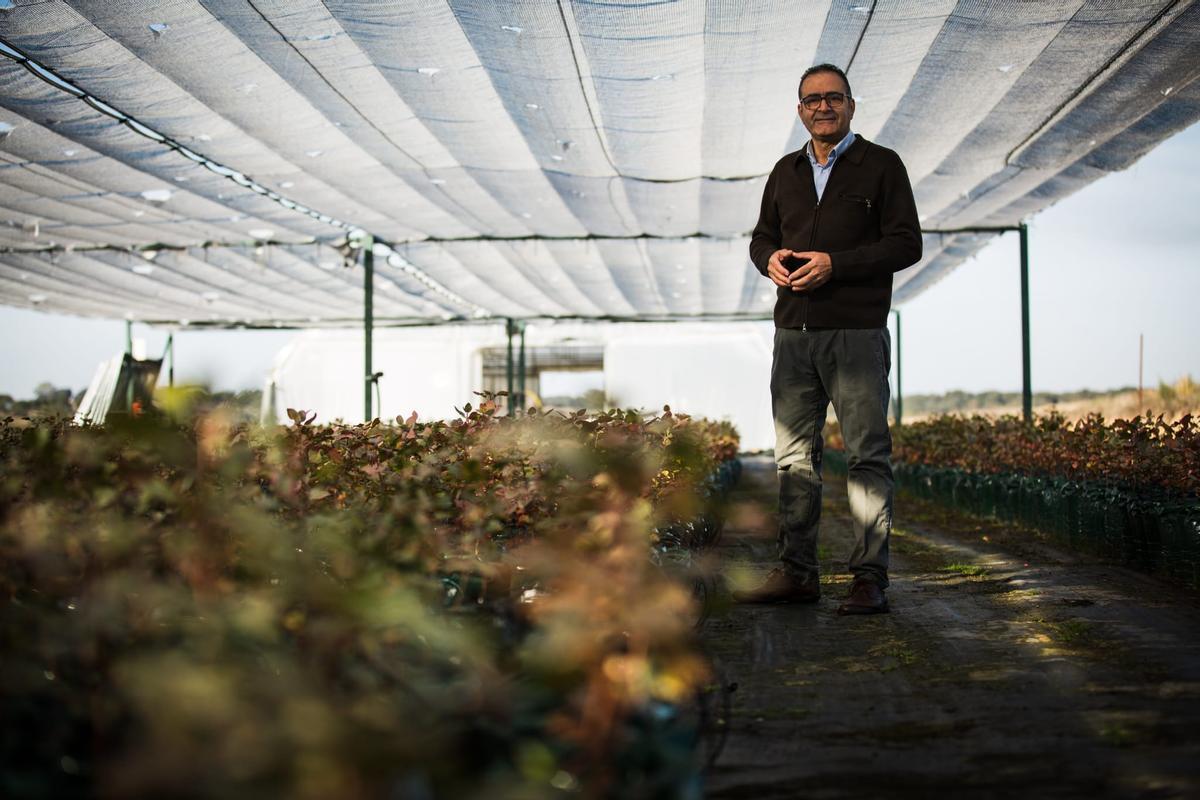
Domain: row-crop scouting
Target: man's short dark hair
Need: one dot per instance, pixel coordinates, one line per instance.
(836, 70)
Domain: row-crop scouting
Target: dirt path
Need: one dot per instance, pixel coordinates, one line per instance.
(1006, 669)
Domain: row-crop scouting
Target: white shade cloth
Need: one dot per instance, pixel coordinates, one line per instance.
(534, 158)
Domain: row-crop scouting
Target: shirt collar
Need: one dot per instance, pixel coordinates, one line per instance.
(840, 148)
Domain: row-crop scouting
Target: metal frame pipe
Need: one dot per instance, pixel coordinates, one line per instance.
(169, 355)
(1026, 359)
(516, 384)
(127, 366)
(510, 329)
(521, 370)
(368, 326)
(899, 371)
(1026, 369)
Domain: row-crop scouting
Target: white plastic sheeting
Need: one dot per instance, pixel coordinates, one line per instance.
(726, 376)
(431, 371)
(585, 158)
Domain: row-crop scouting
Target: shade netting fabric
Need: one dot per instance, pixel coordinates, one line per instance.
(594, 158)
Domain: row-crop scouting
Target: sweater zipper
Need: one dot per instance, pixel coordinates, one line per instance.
(812, 242)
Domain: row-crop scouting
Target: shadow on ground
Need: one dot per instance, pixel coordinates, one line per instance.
(1006, 669)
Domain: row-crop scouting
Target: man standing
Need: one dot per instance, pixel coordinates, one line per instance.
(838, 218)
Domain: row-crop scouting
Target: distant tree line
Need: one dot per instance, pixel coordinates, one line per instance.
(244, 405)
(48, 401)
(52, 401)
(592, 400)
(959, 401)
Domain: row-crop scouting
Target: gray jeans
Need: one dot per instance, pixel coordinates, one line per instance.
(849, 367)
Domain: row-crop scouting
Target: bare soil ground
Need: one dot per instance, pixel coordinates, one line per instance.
(1007, 668)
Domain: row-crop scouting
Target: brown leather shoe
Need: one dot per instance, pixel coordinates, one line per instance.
(866, 597)
(781, 587)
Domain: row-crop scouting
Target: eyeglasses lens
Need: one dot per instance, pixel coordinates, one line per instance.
(813, 101)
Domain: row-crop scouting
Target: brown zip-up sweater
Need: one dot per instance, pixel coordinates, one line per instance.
(866, 221)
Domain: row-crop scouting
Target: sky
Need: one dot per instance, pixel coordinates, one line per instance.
(1117, 259)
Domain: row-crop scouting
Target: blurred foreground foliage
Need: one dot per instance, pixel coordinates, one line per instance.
(194, 607)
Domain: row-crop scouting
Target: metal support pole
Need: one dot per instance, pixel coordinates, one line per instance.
(1026, 378)
(899, 371)
(129, 366)
(170, 354)
(368, 324)
(509, 330)
(521, 370)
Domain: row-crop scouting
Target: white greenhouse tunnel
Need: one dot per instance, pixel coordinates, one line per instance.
(433, 370)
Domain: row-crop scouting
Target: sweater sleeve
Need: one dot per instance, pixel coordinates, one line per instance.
(899, 245)
(767, 236)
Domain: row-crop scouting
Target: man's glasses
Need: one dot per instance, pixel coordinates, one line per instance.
(813, 101)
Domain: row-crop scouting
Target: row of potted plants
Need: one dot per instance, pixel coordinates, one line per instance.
(1127, 489)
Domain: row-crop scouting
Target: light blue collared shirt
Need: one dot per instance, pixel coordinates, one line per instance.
(821, 171)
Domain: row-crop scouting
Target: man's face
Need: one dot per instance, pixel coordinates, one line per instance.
(825, 122)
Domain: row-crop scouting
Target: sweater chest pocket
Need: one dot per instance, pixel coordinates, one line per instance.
(857, 203)
(859, 217)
